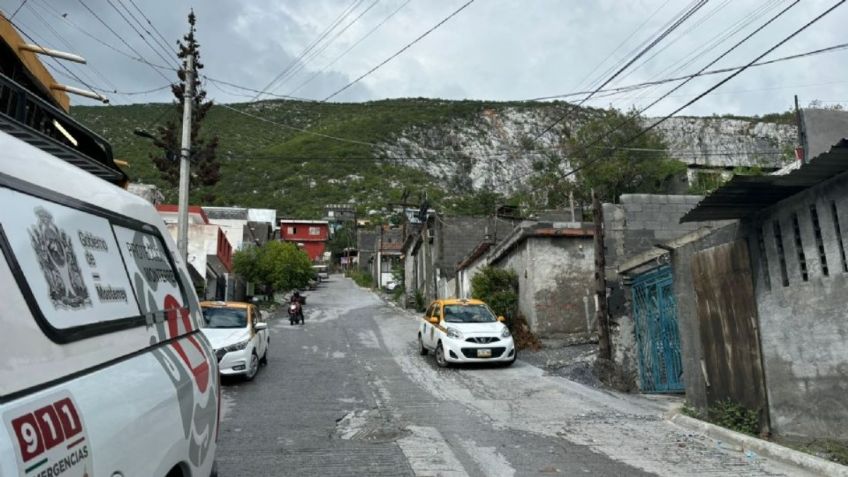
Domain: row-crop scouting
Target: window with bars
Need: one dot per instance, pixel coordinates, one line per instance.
(761, 244)
(839, 235)
(814, 215)
(781, 255)
(799, 247)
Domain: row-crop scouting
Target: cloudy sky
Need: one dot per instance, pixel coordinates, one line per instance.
(491, 50)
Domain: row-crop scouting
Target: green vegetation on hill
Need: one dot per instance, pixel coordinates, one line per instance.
(267, 165)
(272, 166)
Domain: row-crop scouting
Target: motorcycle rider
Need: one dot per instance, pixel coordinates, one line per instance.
(297, 300)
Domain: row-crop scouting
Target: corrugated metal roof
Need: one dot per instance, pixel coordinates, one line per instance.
(743, 196)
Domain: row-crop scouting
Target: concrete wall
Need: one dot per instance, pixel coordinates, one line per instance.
(804, 325)
(233, 229)
(555, 283)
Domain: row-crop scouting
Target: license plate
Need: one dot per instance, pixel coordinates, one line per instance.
(484, 353)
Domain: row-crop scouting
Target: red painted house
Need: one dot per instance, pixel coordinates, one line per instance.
(310, 235)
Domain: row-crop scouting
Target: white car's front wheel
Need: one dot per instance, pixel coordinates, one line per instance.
(253, 367)
(421, 349)
(440, 356)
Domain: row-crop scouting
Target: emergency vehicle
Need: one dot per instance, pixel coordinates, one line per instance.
(103, 368)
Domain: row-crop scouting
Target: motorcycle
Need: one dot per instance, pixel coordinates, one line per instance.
(295, 313)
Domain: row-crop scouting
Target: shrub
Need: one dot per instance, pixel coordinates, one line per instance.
(498, 288)
(734, 416)
(419, 301)
(363, 279)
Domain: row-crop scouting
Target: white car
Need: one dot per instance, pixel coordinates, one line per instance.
(465, 331)
(239, 336)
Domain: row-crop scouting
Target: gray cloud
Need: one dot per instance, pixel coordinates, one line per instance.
(495, 49)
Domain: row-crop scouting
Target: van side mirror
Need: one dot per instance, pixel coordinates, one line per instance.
(434, 320)
(260, 326)
(501, 319)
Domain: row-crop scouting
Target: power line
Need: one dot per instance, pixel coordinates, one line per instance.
(158, 43)
(622, 89)
(408, 45)
(623, 42)
(315, 53)
(99, 40)
(351, 47)
(57, 62)
(23, 2)
(161, 36)
(712, 88)
(140, 35)
(676, 24)
(294, 128)
(121, 38)
(736, 73)
(618, 126)
(312, 45)
(253, 90)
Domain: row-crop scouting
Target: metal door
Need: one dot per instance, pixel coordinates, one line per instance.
(657, 336)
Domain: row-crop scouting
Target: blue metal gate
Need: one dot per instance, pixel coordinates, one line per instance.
(657, 336)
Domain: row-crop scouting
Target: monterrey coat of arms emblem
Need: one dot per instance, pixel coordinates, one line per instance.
(58, 262)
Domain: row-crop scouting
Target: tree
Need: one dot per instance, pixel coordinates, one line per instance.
(615, 163)
(275, 266)
(205, 168)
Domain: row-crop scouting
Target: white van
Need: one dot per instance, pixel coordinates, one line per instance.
(103, 369)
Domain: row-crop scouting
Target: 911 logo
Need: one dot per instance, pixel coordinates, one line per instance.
(50, 437)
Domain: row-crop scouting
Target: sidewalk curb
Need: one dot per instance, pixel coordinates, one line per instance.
(771, 450)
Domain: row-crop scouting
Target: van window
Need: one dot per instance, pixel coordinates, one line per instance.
(84, 270)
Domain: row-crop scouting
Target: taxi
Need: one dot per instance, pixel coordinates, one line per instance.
(239, 336)
(465, 331)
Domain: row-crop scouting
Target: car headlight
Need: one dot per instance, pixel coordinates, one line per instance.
(236, 347)
(454, 333)
(505, 333)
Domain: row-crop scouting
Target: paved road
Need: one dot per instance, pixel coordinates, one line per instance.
(347, 394)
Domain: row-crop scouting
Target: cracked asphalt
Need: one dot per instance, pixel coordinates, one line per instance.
(348, 394)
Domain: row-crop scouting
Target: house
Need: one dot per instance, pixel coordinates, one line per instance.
(554, 263)
(637, 225)
(210, 254)
(760, 302)
(309, 235)
(430, 255)
(337, 215)
(366, 248)
(242, 225)
(388, 257)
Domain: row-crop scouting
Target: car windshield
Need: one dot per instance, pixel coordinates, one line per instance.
(468, 314)
(225, 318)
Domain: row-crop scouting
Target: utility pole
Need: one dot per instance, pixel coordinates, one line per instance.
(800, 153)
(604, 351)
(185, 155)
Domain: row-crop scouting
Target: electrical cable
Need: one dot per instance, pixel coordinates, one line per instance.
(311, 46)
(57, 62)
(23, 2)
(396, 54)
(140, 35)
(639, 112)
(99, 40)
(158, 43)
(351, 47)
(315, 53)
(641, 53)
(645, 130)
(156, 30)
(120, 38)
(71, 47)
(617, 90)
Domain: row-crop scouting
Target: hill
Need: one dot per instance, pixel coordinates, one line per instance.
(450, 149)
